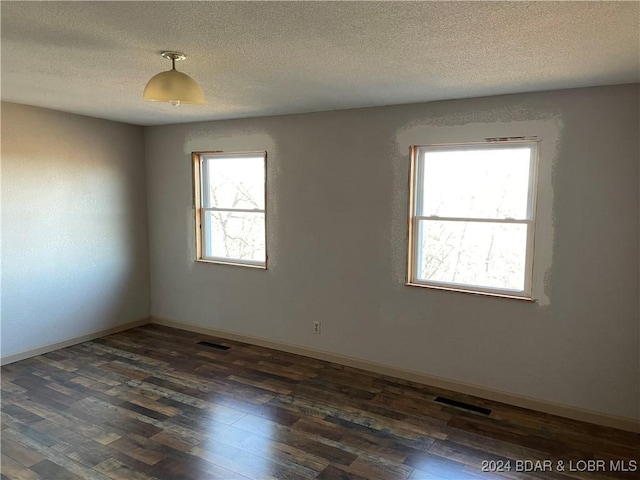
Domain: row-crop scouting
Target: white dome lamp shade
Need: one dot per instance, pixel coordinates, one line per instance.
(173, 86)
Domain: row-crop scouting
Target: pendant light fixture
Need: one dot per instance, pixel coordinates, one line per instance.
(173, 86)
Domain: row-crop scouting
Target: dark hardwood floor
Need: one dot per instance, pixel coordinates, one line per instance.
(152, 403)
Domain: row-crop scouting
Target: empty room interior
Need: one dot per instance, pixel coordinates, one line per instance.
(331, 240)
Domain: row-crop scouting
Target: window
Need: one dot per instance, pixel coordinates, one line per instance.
(230, 207)
(471, 224)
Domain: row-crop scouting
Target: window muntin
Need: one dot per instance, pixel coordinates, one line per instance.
(472, 217)
(230, 207)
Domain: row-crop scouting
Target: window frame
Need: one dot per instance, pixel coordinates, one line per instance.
(415, 194)
(198, 180)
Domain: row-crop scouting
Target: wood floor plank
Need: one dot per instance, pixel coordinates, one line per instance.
(73, 445)
(119, 471)
(269, 385)
(320, 428)
(115, 416)
(300, 440)
(15, 470)
(20, 453)
(249, 465)
(437, 465)
(19, 413)
(48, 469)
(53, 457)
(383, 447)
(151, 403)
(134, 447)
(336, 473)
(66, 419)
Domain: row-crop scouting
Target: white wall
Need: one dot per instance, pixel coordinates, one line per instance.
(74, 226)
(337, 205)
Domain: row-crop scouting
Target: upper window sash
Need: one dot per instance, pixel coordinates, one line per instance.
(254, 200)
(428, 189)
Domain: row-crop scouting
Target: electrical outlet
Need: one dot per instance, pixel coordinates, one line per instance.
(316, 327)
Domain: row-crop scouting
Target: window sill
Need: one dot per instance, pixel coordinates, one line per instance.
(233, 264)
(472, 292)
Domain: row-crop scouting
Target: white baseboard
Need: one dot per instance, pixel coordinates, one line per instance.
(49, 347)
(567, 411)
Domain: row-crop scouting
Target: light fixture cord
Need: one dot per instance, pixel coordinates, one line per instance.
(173, 63)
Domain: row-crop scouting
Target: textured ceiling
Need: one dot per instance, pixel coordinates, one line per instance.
(268, 58)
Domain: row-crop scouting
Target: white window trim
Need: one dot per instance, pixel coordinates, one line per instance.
(413, 254)
(200, 181)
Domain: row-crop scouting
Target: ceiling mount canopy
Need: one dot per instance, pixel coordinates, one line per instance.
(173, 86)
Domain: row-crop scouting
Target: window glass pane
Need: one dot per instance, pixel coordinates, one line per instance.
(234, 235)
(476, 183)
(472, 253)
(234, 182)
